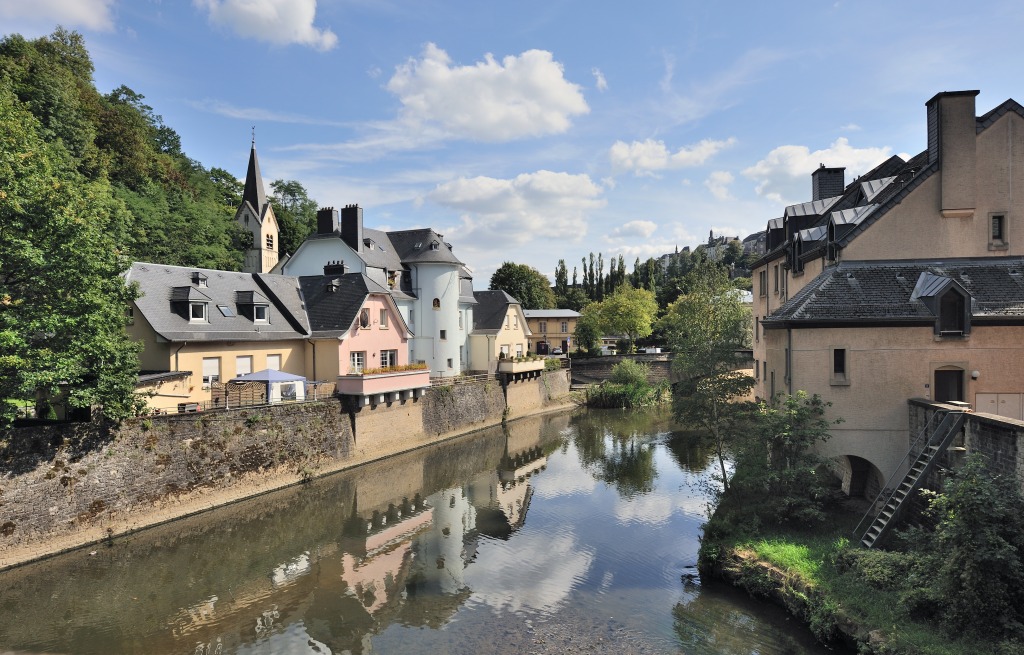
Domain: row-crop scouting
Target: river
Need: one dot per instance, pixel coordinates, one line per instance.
(562, 533)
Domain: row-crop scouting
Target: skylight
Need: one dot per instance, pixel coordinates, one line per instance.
(226, 311)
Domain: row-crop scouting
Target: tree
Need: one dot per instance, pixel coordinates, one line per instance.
(630, 312)
(706, 328)
(573, 299)
(62, 294)
(561, 279)
(588, 328)
(295, 212)
(524, 283)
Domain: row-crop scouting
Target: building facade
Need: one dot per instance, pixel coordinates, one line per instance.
(551, 328)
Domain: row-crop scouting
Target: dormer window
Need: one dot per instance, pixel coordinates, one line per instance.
(199, 280)
(197, 312)
(434, 245)
(261, 313)
(952, 313)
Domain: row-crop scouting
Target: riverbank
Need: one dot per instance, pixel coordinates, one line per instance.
(808, 573)
(71, 486)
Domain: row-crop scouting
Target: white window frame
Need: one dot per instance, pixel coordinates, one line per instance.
(384, 318)
(388, 358)
(239, 367)
(271, 358)
(256, 310)
(203, 316)
(356, 361)
(211, 371)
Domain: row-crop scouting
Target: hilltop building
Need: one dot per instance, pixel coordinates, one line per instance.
(906, 283)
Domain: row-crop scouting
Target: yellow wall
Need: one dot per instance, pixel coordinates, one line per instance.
(554, 334)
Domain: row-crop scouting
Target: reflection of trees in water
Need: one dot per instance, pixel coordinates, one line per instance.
(692, 450)
(618, 447)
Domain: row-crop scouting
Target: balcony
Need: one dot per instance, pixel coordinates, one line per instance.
(520, 365)
(385, 385)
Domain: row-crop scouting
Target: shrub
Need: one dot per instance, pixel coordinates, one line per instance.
(629, 371)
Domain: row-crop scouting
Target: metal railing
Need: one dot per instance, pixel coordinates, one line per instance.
(462, 379)
(238, 396)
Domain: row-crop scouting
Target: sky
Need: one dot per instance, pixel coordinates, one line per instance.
(536, 131)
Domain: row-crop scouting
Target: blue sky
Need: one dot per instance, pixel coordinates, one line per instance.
(534, 131)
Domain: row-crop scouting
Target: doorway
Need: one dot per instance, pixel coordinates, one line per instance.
(949, 385)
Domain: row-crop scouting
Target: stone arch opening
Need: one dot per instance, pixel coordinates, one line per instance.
(861, 478)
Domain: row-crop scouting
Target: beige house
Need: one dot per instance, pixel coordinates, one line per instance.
(906, 283)
(551, 328)
(212, 326)
(499, 331)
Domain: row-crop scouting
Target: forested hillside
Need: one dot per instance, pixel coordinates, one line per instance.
(88, 183)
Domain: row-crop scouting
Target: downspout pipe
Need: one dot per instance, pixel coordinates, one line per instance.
(183, 344)
(789, 360)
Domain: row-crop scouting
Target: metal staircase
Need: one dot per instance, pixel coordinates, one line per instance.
(923, 455)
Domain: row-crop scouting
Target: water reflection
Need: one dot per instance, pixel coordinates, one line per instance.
(546, 528)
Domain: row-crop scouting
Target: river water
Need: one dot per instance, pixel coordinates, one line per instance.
(564, 533)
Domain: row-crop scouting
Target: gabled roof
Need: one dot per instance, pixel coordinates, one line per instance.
(811, 208)
(333, 302)
(422, 246)
(875, 292)
(491, 309)
(551, 313)
(165, 289)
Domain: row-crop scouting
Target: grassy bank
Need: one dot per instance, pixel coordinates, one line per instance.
(842, 592)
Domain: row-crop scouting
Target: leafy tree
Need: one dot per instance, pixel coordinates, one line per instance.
(524, 283)
(573, 299)
(706, 328)
(630, 312)
(62, 296)
(295, 212)
(629, 371)
(561, 281)
(588, 329)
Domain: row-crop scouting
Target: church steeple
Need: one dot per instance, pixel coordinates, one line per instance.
(254, 193)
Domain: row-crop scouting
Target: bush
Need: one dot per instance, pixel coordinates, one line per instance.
(632, 372)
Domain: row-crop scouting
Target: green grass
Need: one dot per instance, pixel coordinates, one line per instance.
(811, 555)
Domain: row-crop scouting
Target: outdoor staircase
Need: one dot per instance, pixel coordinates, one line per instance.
(924, 455)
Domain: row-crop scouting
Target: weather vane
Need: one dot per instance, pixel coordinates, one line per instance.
(254, 135)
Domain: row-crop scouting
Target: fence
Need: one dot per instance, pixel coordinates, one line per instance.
(234, 396)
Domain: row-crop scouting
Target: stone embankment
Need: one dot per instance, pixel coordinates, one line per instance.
(63, 487)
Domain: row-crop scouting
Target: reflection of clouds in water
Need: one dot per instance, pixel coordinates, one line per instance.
(563, 483)
(293, 638)
(656, 508)
(506, 580)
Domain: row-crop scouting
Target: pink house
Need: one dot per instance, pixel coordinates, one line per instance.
(360, 339)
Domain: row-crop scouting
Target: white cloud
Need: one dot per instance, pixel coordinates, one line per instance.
(492, 101)
(850, 127)
(641, 229)
(500, 213)
(281, 22)
(784, 175)
(599, 80)
(90, 14)
(258, 114)
(644, 157)
(718, 183)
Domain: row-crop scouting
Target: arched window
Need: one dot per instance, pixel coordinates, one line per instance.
(364, 318)
(437, 303)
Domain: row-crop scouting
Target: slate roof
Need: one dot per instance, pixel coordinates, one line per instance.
(414, 247)
(492, 306)
(253, 192)
(166, 291)
(332, 313)
(884, 292)
(550, 313)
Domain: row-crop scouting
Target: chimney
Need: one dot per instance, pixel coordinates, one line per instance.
(827, 182)
(327, 220)
(352, 227)
(335, 268)
(952, 144)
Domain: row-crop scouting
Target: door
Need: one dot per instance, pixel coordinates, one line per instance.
(949, 385)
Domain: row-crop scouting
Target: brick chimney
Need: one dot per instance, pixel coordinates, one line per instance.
(827, 182)
(352, 227)
(327, 220)
(952, 143)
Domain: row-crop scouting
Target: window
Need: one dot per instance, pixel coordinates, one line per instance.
(757, 369)
(412, 318)
(775, 273)
(270, 242)
(504, 350)
(197, 312)
(437, 303)
(762, 282)
(543, 326)
(565, 326)
(997, 235)
(519, 350)
(757, 328)
(364, 318)
(357, 361)
(274, 362)
(506, 321)
(434, 245)
(211, 370)
(840, 367)
(383, 319)
(444, 334)
(450, 363)
(260, 313)
(515, 321)
(226, 311)
(129, 315)
(952, 310)
(460, 320)
(243, 365)
(388, 358)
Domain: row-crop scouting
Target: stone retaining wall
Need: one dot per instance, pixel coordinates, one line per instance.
(65, 486)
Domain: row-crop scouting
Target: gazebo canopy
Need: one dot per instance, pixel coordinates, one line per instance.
(268, 375)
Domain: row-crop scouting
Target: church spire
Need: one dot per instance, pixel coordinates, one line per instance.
(253, 193)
